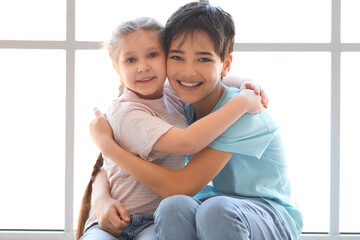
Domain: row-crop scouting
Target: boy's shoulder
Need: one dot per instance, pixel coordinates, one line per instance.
(229, 93)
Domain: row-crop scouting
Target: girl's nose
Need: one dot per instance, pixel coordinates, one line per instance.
(143, 66)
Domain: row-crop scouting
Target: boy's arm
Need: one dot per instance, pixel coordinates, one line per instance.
(202, 132)
(202, 168)
(107, 209)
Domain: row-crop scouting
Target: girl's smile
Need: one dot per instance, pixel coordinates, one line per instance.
(141, 64)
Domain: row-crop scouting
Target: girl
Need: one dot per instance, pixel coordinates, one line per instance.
(149, 120)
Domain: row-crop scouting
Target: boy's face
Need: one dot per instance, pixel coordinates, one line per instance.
(194, 69)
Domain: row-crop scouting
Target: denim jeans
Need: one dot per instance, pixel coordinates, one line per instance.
(141, 227)
(221, 217)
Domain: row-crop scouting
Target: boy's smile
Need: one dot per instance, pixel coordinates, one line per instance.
(194, 71)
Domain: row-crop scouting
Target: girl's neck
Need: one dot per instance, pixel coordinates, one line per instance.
(208, 103)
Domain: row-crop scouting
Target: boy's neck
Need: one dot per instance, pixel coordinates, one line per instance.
(207, 104)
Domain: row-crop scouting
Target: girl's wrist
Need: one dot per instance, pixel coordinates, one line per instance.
(106, 145)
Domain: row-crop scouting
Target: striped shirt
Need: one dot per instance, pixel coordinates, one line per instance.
(137, 124)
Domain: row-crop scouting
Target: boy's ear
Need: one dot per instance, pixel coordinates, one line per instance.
(227, 65)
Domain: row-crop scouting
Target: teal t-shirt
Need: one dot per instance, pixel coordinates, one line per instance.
(258, 166)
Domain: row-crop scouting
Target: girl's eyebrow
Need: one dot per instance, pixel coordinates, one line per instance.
(149, 49)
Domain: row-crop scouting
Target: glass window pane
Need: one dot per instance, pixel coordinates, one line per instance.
(350, 131)
(32, 88)
(296, 21)
(95, 19)
(96, 85)
(350, 21)
(298, 85)
(33, 20)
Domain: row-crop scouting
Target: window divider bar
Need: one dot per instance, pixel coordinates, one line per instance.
(34, 44)
(335, 118)
(283, 47)
(70, 119)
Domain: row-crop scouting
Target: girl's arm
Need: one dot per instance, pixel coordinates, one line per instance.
(202, 132)
(202, 168)
(106, 208)
(235, 81)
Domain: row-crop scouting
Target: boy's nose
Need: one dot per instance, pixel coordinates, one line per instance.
(189, 70)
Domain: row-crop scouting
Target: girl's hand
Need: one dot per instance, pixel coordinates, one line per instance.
(100, 130)
(251, 85)
(111, 215)
(252, 101)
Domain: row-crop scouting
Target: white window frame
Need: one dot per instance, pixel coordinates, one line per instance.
(335, 47)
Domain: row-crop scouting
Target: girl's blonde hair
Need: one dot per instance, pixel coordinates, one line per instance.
(126, 28)
(121, 31)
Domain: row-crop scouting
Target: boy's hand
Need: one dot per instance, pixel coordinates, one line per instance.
(257, 90)
(100, 130)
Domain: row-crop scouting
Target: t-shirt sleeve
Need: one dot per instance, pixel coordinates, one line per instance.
(250, 135)
(137, 128)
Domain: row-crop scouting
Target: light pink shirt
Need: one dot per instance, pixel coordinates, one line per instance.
(137, 124)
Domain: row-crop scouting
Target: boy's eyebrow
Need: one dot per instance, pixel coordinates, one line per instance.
(176, 51)
(204, 53)
(197, 53)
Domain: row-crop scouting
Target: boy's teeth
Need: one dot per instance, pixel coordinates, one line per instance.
(189, 84)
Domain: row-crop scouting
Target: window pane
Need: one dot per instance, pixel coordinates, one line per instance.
(96, 85)
(32, 139)
(350, 131)
(298, 85)
(294, 21)
(95, 19)
(350, 21)
(33, 20)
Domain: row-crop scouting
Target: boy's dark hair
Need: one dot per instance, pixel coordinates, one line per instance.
(194, 16)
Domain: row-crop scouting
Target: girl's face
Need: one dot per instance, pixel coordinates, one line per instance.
(194, 70)
(141, 64)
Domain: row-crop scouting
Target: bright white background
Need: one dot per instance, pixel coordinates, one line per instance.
(33, 99)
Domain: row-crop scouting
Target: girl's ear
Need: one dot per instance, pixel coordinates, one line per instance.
(115, 66)
(226, 65)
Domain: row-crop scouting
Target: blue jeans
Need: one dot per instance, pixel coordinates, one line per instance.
(221, 217)
(141, 227)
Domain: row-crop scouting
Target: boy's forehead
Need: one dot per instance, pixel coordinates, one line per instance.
(196, 38)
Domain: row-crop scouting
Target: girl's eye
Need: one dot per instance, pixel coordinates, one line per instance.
(152, 55)
(177, 58)
(130, 60)
(204, 60)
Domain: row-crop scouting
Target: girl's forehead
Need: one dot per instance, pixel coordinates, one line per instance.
(139, 40)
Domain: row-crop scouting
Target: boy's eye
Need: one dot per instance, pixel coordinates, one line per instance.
(130, 60)
(204, 60)
(152, 55)
(177, 58)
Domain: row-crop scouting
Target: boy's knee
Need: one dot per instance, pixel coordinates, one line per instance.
(215, 208)
(175, 204)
